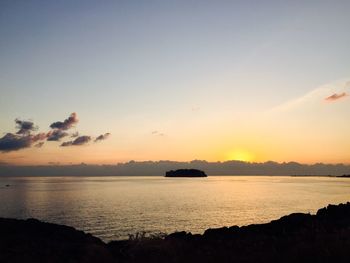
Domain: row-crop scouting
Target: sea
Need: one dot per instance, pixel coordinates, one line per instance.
(114, 208)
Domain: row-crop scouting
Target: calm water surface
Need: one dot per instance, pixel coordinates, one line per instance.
(113, 207)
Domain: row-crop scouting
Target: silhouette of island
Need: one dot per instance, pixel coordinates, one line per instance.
(324, 237)
(185, 173)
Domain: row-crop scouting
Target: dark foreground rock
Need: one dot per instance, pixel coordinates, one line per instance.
(324, 237)
(34, 241)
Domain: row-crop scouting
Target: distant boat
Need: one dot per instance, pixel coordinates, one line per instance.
(185, 173)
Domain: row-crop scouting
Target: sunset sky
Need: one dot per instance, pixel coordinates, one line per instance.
(175, 80)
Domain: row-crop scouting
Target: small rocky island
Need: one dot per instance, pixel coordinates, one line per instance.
(185, 173)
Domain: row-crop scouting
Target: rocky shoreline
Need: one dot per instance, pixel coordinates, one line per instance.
(324, 237)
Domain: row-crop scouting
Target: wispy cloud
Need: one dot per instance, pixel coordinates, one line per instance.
(56, 135)
(74, 135)
(195, 108)
(39, 145)
(39, 137)
(338, 90)
(336, 96)
(102, 137)
(157, 133)
(69, 143)
(347, 84)
(81, 140)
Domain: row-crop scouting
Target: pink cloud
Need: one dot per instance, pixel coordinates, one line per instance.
(336, 96)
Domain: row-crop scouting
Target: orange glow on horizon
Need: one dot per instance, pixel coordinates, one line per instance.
(241, 155)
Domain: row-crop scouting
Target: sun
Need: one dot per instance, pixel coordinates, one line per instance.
(241, 155)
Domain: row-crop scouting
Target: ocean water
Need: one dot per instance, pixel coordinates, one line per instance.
(114, 207)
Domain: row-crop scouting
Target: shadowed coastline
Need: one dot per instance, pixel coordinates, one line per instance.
(324, 237)
(158, 168)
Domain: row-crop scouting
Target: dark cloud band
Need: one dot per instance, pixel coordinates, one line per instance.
(13, 142)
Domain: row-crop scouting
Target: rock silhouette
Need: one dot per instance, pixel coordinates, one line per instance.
(185, 173)
(34, 241)
(324, 237)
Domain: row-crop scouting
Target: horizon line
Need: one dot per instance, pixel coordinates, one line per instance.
(50, 164)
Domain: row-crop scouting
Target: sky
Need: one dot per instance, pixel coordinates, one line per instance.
(175, 80)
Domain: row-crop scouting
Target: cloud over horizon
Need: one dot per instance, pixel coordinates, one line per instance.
(102, 137)
(66, 124)
(158, 133)
(81, 140)
(13, 142)
(25, 127)
(39, 145)
(74, 135)
(347, 84)
(24, 138)
(336, 96)
(56, 135)
(338, 89)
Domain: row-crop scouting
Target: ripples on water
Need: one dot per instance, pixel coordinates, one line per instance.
(113, 207)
